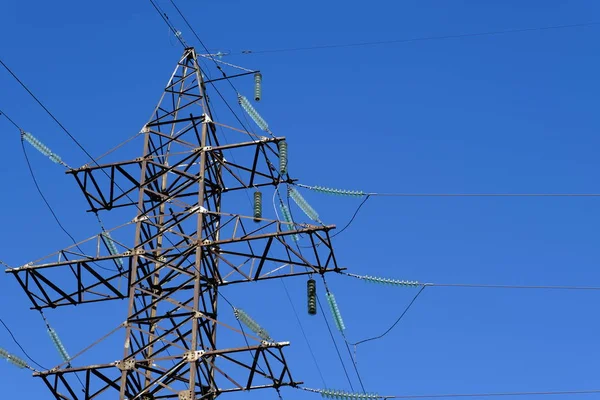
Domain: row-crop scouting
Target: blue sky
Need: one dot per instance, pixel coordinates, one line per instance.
(513, 113)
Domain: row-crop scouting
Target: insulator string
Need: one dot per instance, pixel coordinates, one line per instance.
(252, 113)
(112, 248)
(42, 148)
(311, 292)
(335, 312)
(62, 351)
(16, 361)
(303, 204)
(359, 193)
(257, 206)
(252, 324)
(257, 86)
(283, 157)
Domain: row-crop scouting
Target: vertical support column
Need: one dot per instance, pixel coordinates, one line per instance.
(134, 264)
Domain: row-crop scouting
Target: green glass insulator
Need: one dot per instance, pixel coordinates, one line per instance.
(257, 86)
(283, 157)
(257, 206)
(311, 288)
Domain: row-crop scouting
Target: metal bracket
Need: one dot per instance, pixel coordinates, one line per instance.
(192, 356)
(141, 218)
(186, 395)
(126, 365)
(194, 209)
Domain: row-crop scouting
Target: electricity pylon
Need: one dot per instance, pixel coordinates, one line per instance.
(185, 247)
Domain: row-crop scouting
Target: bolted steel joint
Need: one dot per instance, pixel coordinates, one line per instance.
(186, 395)
(126, 365)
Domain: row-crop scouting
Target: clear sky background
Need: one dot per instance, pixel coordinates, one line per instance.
(511, 113)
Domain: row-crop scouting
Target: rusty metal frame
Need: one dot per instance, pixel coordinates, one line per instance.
(185, 248)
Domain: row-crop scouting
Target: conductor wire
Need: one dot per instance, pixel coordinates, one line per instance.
(19, 344)
(10, 120)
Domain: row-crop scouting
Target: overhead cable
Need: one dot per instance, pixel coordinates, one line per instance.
(418, 39)
(19, 345)
(10, 120)
(395, 322)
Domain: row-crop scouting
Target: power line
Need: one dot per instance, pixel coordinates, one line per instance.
(10, 120)
(395, 323)
(354, 363)
(418, 39)
(45, 109)
(19, 344)
(349, 222)
(353, 217)
(39, 190)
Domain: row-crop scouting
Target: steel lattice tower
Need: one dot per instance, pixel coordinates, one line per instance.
(185, 248)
